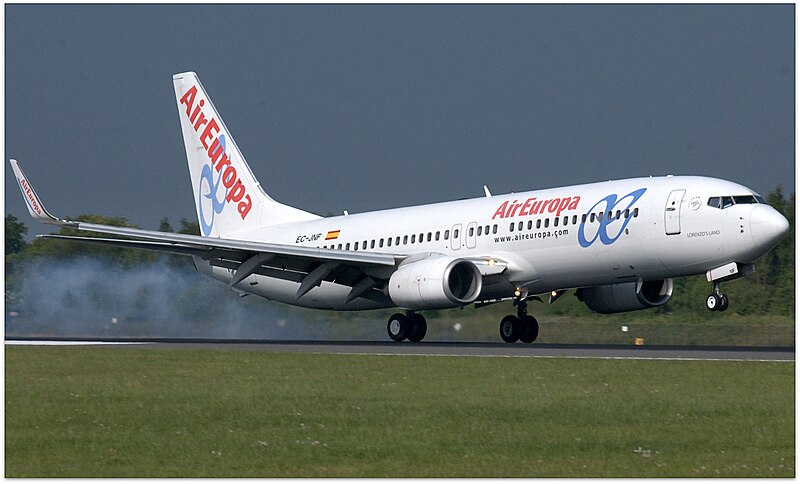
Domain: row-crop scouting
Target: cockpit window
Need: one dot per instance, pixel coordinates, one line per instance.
(739, 199)
(725, 202)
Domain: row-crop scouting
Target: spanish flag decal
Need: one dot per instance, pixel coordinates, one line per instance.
(332, 235)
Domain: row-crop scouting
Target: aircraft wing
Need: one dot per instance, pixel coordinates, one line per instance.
(307, 265)
(361, 271)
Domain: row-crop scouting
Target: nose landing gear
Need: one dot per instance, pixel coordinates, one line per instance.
(522, 327)
(716, 301)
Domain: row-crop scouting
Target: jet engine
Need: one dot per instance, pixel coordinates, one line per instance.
(436, 282)
(626, 296)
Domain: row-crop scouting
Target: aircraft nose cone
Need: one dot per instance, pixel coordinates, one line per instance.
(767, 227)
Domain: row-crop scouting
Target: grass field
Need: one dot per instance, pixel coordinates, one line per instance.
(121, 412)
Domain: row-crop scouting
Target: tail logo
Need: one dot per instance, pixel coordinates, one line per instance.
(219, 160)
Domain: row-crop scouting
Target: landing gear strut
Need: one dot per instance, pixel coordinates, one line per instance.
(522, 327)
(716, 301)
(410, 326)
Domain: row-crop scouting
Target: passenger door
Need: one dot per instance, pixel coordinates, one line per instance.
(672, 212)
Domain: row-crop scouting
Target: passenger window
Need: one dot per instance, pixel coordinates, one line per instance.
(471, 231)
(355, 246)
(511, 227)
(539, 224)
(609, 216)
(591, 219)
(347, 247)
(364, 245)
(480, 230)
(429, 236)
(455, 234)
(555, 222)
(494, 229)
(437, 235)
(389, 242)
(421, 238)
(486, 230)
(397, 240)
(583, 219)
(372, 244)
(627, 212)
(530, 224)
(413, 238)
(635, 212)
(618, 214)
(446, 235)
(546, 222)
(405, 239)
(727, 202)
(520, 225)
(340, 247)
(380, 244)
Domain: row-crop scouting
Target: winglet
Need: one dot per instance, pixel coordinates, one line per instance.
(32, 201)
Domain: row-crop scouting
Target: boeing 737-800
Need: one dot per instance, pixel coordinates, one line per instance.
(617, 243)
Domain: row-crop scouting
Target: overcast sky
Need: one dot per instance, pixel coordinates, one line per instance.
(368, 107)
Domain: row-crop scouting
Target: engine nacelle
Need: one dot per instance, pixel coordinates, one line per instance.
(437, 282)
(627, 296)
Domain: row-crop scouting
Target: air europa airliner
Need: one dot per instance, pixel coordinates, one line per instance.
(618, 244)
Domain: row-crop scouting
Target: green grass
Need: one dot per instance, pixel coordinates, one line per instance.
(145, 412)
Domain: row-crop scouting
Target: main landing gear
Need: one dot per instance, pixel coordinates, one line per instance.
(522, 327)
(716, 301)
(410, 326)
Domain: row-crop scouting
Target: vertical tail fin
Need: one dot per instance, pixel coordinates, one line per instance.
(228, 197)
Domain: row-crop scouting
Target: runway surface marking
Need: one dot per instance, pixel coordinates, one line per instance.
(70, 343)
(485, 350)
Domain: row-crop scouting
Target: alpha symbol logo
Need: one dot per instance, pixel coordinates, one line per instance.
(605, 223)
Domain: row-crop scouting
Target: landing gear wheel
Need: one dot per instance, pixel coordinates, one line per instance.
(510, 328)
(419, 327)
(713, 302)
(723, 303)
(398, 327)
(530, 329)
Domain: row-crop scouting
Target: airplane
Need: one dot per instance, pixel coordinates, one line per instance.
(618, 243)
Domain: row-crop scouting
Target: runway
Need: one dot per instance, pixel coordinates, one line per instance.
(434, 348)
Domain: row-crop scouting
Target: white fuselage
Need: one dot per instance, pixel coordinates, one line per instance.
(551, 239)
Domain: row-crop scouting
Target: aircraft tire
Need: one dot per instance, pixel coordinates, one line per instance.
(723, 303)
(398, 327)
(510, 329)
(419, 327)
(713, 302)
(530, 329)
